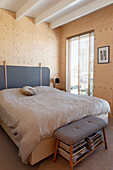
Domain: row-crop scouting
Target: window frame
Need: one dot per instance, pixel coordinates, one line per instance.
(68, 69)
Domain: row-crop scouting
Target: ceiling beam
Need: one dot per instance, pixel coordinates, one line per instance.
(25, 8)
(63, 4)
(91, 7)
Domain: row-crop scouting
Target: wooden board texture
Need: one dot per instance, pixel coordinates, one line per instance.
(24, 44)
(101, 22)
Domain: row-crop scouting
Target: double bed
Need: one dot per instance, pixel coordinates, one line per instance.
(30, 121)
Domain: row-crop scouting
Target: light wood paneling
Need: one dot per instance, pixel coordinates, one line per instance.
(23, 43)
(101, 22)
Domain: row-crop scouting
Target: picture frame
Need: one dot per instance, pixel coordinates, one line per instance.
(103, 54)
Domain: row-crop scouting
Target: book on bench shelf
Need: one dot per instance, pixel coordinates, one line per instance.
(94, 140)
(79, 149)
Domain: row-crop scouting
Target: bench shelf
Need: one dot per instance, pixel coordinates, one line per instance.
(84, 156)
(88, 153)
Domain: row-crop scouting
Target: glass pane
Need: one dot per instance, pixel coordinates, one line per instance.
(91, 64)
(74, 65)
(84, 64)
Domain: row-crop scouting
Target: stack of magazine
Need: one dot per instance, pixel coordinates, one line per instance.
(94, 140)
(79, 149)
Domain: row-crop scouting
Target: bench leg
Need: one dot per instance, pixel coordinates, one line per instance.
(71, 157)
(104, 138)
(56, 148)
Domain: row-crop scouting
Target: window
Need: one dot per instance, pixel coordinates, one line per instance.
(79, 64)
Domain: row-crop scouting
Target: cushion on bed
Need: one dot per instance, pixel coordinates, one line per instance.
(28, 91)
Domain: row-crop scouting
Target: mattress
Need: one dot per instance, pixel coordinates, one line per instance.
(32, 119)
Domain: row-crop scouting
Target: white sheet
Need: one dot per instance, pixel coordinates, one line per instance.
(32, 118)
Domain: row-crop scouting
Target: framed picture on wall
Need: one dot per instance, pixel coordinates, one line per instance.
(103, 54)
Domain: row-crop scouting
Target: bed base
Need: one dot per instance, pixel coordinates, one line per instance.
(44, 148)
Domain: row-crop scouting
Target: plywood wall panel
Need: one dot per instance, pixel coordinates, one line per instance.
(108, 13)
(23, 43)
(97, 18)
(6, 36)
(101, 22)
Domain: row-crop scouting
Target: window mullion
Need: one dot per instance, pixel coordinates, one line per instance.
(89, 64)
(69, 54)
(79, 65)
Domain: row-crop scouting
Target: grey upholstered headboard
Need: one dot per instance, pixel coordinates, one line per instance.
(19, 76)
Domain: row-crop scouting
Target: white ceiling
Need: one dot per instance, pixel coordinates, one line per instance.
(78, 4)
(42, 6)
(12, 5)
(56, 12)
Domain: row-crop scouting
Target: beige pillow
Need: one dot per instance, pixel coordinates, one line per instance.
(28, 91)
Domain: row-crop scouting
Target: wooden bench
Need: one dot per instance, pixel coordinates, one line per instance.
(77, 131)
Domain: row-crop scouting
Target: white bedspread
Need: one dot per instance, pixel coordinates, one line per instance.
(36, 117)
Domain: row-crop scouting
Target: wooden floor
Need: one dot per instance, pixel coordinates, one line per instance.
(100, 160)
